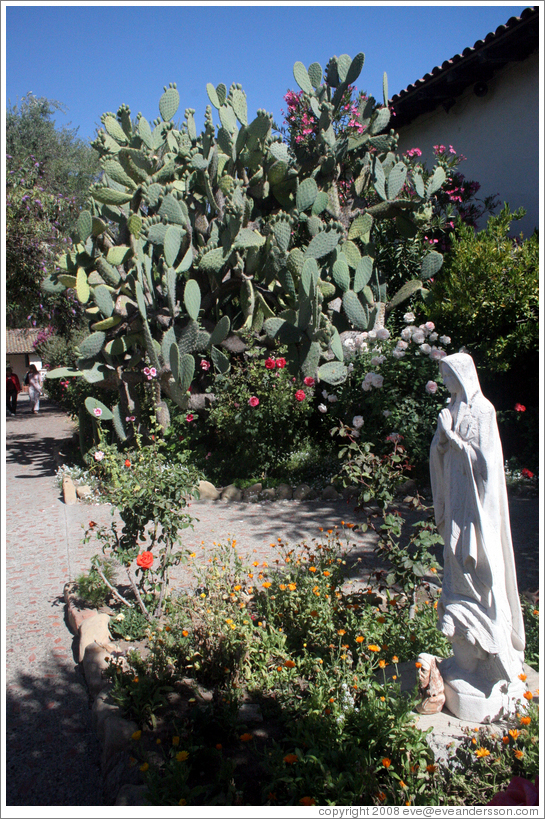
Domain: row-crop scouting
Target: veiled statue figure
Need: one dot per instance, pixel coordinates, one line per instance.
(479, 609)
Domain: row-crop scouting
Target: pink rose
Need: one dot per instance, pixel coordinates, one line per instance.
(300, 395)
(254, 401)
(431, 387)
(189, 417)
(205, 365)
(308, 381)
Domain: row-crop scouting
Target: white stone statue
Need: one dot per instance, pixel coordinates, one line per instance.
(479, 609)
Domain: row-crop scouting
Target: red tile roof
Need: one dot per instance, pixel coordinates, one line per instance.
(515, 40)
(21, 341)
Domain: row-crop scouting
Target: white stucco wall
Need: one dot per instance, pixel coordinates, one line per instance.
(499, 135)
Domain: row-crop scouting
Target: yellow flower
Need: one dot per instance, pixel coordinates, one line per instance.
(482, 752)
(181, 756)
(513, 733)
(192, 554)
(175, 740)
(237, 588)
(144, 767)
(136, 735)
(373, 648)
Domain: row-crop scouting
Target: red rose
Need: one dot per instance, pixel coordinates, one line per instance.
(520, 408)
(280, 363)
(270, 364)
(145, 560)
(189, 417)
(527, 474)
(127, 463)
(300, 395)
(309, 381)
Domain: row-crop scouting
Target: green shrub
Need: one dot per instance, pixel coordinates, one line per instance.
(90, 586)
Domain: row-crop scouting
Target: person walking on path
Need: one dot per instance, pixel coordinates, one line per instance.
(13, 388)
(34, 388)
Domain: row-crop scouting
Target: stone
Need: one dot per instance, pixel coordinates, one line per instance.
(269, 494)
(103, 707)
(116, 736)
(284, 492)
(330, 493)
(93, 630)
(479, 609)
(250, 713)
(131, 795)
(231, 493)
(95, 661)
(69, 491)
(302, 492)
(83, 491)
(431, 686)
(350, 491)
(251, 492)
(406, 488)
(207, 491)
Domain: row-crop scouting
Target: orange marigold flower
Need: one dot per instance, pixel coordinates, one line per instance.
(518, 753)
(381, 796)
(505, 739)
(341, 631)
(292, 586)
(136, 735)
(535, 612)
(332, 699)
(431, 768)
(386, 762)
(513, 733)
(185, 633)
(359, 639)
(237, 588)
(525, 720)
(289, 664)
(219, 746)
(326, 573)
(255, 563)
(312, 568)
(395, 659)
(418, 665)
(289, 759)
(482, 752)
(528, 695)
(314, 613)
(373, 648)
(267, 585)
(522, 677)
(402, 784)
(382, 663)
(246, 737)
(307, 800)
(175, 740)
(282, 587)
(144, 767)
(181, 756)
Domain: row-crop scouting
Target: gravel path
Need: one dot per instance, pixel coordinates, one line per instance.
(52, 752)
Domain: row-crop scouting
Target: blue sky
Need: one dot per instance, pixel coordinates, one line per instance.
(94, 57)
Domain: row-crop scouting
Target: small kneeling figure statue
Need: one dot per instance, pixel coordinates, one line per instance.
(430, 683)
(479, 609)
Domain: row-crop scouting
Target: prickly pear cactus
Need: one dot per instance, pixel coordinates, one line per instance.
(189, 239)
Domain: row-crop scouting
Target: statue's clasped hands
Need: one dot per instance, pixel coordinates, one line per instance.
(444, 422)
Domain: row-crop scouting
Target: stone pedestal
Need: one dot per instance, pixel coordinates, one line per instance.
(469, 698)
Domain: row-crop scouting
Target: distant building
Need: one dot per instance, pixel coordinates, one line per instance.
(20, 352)
(485, 103)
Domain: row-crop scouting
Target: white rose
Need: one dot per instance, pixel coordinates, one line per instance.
(406, 333)
(419, 337)
(383, 333)
(377, 380)
(429, 325)
(357, 421)
(324, 393)
(372, 334)
(377, 360)
(98, 456)
(386, 413)
(426, 349)
(433, 336)
(366, 386)
(349, 344)
(408, 318)
(444, 340)
(332, 399)
(368, 378)
(322, 408)
(355, 433)
(402, 345)
(398, 353)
